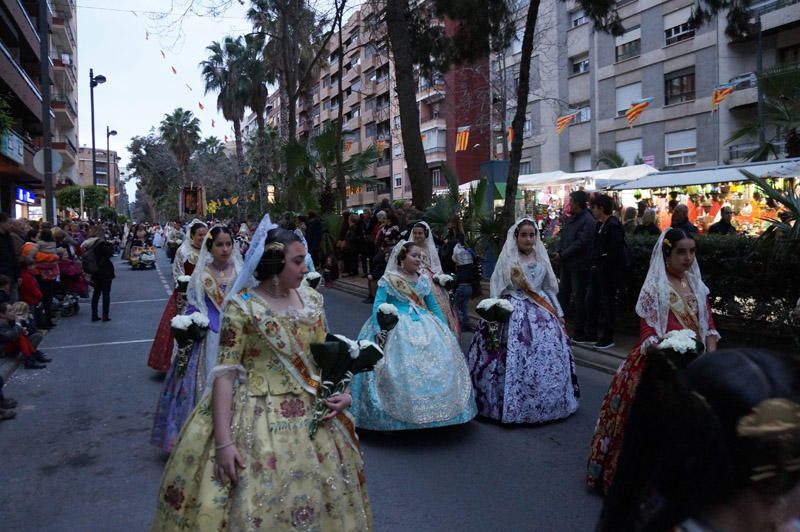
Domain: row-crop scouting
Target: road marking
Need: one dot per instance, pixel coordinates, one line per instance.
(140, 301)
(80, 346)
(167, 287)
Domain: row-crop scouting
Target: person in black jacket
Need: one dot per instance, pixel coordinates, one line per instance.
(9, 261)
(574, 248)
(101, 279)
(607, 264)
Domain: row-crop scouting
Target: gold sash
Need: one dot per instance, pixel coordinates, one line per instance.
(403, 287)
(521, 282)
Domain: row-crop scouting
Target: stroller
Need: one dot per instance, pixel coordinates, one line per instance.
(70, 287)
(142, 257)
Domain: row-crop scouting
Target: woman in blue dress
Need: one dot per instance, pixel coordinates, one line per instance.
(422, 380)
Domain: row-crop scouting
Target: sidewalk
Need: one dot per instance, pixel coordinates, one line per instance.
(606, 360)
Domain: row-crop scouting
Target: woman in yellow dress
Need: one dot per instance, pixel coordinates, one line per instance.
(244, 460)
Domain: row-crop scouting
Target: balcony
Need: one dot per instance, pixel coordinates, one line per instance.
(353, 74)
(63, 37)
(431, 93)
(742, 98)
(64, 110)
(66, 148)
(737, 153)
(19, 82)
(64, 73)
(775, 13)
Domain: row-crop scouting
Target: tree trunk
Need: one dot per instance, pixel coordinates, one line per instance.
(341, 183)
(418, 172)
(509, 210)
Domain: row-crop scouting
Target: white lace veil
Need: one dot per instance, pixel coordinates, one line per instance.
(653, 303)
(185, 248)
(391, 264)
(430, 248)
(246, 277)
(309, 260)
(196, 292)
(510, 256)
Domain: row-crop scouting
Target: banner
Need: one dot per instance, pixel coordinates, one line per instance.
(192, 202)
(637, 108)
(462, 138)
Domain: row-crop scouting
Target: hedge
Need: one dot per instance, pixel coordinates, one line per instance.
(753, 288)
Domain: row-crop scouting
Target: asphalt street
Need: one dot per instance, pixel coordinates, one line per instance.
(77, 456)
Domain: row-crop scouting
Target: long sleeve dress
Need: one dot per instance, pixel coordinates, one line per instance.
(615, 408)
(442, 298)
(530, 377)
(183, 387)
(290, 481)
(422, 380)
(162, 348)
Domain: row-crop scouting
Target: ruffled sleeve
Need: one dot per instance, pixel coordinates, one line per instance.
(711, 326)
(232, 343)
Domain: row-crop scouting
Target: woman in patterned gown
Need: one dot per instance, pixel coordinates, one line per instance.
(185, 259)
(530, 377)
(431, 265)
(245, 460)
(422, 380)
(214, 273)
(673, 297)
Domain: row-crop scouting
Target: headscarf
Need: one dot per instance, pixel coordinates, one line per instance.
(186, 247)
(510, 257)
(246, 277)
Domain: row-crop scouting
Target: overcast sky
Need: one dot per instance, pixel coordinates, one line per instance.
(141, 87)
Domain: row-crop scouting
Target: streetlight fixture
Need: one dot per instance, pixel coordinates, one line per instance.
(94, 81)
(109, 133)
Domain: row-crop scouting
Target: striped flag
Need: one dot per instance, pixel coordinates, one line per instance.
(637, 107)
(720, 93)
(202, 107)
(510, 134)
(462, 138)
(564, 121)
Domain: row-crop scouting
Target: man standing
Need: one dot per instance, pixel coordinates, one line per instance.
(724, 226)
(607, 264)
(574, 248)
(9, 261)
(680, 220)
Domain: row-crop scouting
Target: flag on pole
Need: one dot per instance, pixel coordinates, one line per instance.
(202, 107)
(720, 93)
(510, 133)
(462, 138)
(637, 107)
(563, 121)
(174, 71)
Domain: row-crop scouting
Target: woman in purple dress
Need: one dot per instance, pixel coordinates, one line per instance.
(217, 265)
(530, 376)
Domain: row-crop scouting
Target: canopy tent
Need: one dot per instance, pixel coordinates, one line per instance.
(719, 174)
(594, 179)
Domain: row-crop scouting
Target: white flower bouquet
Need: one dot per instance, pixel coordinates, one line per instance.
(182, 283)
(494, 311)
(682, 342)
(313, 279)
(444, 280)
(187, 329)
(387, 317)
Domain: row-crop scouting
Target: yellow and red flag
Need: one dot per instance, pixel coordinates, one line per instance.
(720, 93)
(173, 70)
(462, 138)
(348, 145)
(563, 121)
(510, 134)
(637, 107)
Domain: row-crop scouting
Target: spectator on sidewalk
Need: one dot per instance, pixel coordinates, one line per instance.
(648, 225)
(15, 341)
(47, 257)
(574, 249)
(607, 264)
(629, 220)
(102, 278)
(724, 226)
(7, 404)
(680, 220)
(9, 259)
(314, 236)
(464, 260)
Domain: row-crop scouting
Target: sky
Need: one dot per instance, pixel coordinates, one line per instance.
(141, 88)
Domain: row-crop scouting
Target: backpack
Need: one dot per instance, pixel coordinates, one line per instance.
(89, 261)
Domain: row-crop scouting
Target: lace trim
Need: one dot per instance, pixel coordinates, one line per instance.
(239, 373)
(713, 332)
(650, 340)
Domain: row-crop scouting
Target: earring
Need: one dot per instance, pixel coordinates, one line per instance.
(275, 281)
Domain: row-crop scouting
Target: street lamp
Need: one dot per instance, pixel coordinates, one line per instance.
(109, 133)
(94, 81)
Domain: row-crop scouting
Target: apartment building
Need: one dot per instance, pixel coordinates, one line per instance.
(577, 69)
(108, 173)
(21, 186)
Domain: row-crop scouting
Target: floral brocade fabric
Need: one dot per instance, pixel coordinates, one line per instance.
(289, 482)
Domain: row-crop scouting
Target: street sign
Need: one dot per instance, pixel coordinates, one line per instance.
(38, 161)
(25, 196)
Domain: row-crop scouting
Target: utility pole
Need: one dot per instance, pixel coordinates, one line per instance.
(760, 92)
(47, 141)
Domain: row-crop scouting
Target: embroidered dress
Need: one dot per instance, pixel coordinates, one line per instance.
(162, 348)
(530, 377)
(422, 380)
(441, 295)
(290, 481)
(182, 392)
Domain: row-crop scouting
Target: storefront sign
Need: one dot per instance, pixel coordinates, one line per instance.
(13, 147)
(25, 196)
(649, 159)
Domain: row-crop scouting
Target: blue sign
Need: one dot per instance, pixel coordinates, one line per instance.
(13, 147)
(25, 196)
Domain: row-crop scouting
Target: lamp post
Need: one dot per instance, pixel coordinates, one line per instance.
(109, 133)
(94, 81)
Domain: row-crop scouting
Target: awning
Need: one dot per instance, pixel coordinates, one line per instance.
(594, 179)
(500, 192)
(719, 174)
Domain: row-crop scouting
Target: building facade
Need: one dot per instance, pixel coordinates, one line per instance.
(108, 173)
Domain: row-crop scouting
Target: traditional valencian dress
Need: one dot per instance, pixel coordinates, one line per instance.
(182, 392)
(432, 266)
(530, 377)
(290, 481)
(162, 348)
(422, 380)
(665, 310)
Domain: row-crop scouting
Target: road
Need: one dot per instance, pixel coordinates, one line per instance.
(77, 456)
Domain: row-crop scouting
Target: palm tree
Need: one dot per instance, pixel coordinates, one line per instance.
(610, 158)
(181, 132)
(780, 88)
(222, 72)
(258, 73)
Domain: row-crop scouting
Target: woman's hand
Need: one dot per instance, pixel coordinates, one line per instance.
(711, 344)
(337, 403)
(228, 461)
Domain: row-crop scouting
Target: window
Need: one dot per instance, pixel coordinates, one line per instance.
(677, 27)
(397, 122)
(527, 127)
(630, 150)
(581, 161)
(356, 86)
(370, 130)
(398, 180)
(436, 177)
(584, 112)
(577, 18)
(579, 64)
(789, 55)
(628, 45)
(398, 150)
(681, 147)
(626, 95)
(524, 167)
(679, 86)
